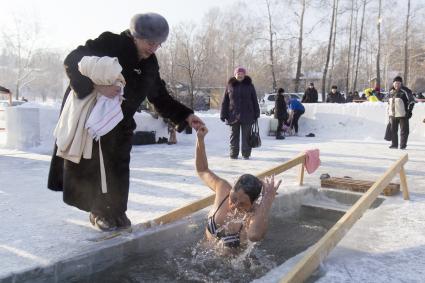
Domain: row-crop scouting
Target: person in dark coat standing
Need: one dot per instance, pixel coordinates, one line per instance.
(400, 106)
(310, 94)
(335, 96)
(240, 109)
(81, 183)
(280, 113)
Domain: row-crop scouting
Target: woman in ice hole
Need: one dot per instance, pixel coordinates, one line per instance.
(239, 213)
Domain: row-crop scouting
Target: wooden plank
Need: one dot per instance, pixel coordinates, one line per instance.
(318, 252)
(357, 185)
(283, 167)
(301, 174)
(403, 182)
(185, 210)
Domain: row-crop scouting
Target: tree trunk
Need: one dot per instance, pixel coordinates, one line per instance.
(274, 84)
(406, 46)
(359, 46)
(333, 43)
(300, 49)
(347, 79)
(378, 56)
(325, 70)
(353, 66)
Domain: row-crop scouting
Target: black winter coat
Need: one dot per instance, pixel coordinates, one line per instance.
(280, 108)
(81, 183)
(310, 96)
(406, 95)
(240, 102)
(335, 97)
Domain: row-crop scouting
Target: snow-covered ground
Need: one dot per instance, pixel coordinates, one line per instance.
(386, 245)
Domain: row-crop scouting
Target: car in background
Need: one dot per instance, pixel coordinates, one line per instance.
(268, 100)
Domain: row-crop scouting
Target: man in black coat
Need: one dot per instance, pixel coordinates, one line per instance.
(81, 183)
(310, 94)
(335, 96)
(240, 109)
(400, 106)
(280, 112)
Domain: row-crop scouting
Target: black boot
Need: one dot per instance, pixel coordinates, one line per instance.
(102, 223)
(123, 222)
(280, 137)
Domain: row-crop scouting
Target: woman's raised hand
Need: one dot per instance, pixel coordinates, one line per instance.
(269, 186)
(202, 132)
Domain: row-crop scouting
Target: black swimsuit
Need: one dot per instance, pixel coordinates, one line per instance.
(231, 240)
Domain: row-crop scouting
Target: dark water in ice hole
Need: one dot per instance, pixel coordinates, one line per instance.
(285, 238)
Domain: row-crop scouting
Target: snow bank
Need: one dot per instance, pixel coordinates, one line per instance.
(31, 125)
(363, 121)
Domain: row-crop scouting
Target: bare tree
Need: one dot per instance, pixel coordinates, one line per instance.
(300, 47)
(271, 34)
(191, 57)
(21, 42)
(406, 45)
(328, 53)
(333, 42)
(356, 31)
(359, 46)
(347, 79)
(378, 54)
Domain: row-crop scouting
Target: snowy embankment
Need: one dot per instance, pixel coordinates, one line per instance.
(32, 124)
(386, 245)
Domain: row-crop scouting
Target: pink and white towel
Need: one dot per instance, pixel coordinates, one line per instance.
(312, 160)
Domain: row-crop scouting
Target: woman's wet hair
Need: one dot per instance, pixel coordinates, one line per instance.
(251, 186)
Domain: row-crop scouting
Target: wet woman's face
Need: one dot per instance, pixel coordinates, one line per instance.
(239, 200)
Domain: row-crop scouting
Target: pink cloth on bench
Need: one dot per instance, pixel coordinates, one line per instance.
(312, 160)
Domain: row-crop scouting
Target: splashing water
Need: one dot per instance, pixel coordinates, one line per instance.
(188, 260)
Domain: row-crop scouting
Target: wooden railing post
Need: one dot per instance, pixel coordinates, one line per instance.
(403, 184)
(301, 174)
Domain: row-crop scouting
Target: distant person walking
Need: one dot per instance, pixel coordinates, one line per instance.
(240, 109)
(400, 106)
(310, 94)
(280, 113)
(296, 109)
(335, 96)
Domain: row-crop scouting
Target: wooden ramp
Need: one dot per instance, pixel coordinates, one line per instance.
(357, 185)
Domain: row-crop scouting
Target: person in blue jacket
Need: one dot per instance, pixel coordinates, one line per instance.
(296, 110)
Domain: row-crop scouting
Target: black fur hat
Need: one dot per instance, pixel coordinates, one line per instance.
(150, 26)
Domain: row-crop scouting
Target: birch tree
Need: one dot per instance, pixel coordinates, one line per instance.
(300, 46)
(406, 45)
(378, 54)
(328, 53)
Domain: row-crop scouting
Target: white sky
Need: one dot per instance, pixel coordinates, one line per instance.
(66, 24)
